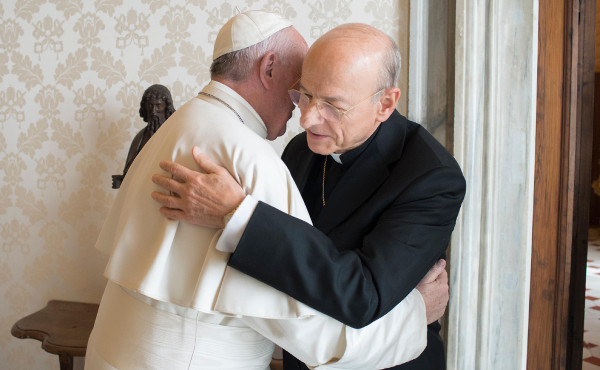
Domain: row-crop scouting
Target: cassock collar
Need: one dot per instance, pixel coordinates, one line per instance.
(349, 157)
(250, 117)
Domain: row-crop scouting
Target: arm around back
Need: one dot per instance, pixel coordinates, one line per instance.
(324, 343)
(362, 267)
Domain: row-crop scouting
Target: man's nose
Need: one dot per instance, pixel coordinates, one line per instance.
(310, 116)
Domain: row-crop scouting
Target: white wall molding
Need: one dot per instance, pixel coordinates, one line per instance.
(418, 60)
(428, 66)
(494, 122)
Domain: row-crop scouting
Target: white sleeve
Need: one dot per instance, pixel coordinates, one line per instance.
(232, 233)
(317, 340)
(324, 343)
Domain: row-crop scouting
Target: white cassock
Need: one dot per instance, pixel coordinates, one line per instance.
(171, 301)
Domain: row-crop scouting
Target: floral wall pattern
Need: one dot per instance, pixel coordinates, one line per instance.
(72, 73)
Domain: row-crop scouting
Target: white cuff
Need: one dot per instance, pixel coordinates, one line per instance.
(422, 309)
(236, 225)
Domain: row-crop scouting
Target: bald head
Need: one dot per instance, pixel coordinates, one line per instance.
(342, 70)
(360, 46)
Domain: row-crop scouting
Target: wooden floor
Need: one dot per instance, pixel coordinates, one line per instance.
(591, 336)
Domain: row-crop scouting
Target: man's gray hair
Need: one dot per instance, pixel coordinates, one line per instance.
(389, 71)
(237, 65)
(390, 66)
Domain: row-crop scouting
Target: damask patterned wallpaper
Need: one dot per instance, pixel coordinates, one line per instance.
(72, 73)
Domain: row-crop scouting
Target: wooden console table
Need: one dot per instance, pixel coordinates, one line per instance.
(63, 328)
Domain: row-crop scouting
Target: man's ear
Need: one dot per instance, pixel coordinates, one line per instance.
(387, 103)
(266, 66)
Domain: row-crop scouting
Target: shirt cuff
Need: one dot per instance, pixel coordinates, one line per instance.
(236, 225)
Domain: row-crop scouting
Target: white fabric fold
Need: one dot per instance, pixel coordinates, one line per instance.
(177, 262)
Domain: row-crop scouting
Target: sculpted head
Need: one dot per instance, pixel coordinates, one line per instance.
(156, 106)
(348, 87)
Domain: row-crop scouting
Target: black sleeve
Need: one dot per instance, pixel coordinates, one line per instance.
(356, 286)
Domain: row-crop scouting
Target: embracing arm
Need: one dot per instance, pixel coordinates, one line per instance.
(355, 287)
(360, 285)
(317, 340)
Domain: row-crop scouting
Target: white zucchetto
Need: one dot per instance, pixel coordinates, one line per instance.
(247, 29)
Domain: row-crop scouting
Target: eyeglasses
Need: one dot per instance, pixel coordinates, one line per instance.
(326, 110)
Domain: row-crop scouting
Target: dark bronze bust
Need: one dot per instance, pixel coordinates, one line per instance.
(156, 106)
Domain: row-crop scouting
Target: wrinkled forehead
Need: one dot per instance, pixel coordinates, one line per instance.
(338, 64)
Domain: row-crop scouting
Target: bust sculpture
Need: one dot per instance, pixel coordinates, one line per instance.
(155, 107)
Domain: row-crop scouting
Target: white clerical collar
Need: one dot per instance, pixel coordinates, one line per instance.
(336, 157)
(239, 105)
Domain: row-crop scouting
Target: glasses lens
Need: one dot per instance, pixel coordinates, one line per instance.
(328, 111)
(294, 96)
(299, 99)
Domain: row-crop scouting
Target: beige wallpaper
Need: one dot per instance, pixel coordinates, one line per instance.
(72, 73)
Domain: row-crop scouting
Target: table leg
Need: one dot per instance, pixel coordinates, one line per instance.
(66, 361)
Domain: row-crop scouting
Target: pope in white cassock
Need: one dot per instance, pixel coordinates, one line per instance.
(171, 301)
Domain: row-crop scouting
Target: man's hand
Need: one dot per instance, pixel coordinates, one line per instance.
(434, 289)
(202, 199)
